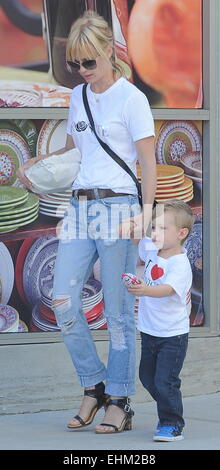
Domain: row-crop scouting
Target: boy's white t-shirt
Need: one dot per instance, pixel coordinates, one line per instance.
(122, 116)
(164, 316)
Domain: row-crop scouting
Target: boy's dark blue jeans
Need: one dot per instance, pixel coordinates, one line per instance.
(161, 362)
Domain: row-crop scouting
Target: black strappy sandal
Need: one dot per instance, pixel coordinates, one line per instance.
(126, 424)
(99, 394)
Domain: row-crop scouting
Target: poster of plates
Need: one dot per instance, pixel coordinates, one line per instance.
(179, 175)
(157, 43)
(178, 146)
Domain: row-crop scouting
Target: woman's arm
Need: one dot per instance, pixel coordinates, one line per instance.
(147, 161)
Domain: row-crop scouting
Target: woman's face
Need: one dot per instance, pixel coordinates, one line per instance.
(101, 70)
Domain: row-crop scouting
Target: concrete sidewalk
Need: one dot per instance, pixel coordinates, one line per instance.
(47, 431)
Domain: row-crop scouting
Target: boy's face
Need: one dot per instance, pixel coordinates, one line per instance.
(165, 233)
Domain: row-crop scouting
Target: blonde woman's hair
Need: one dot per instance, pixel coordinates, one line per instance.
(183, 214)
(89, 37)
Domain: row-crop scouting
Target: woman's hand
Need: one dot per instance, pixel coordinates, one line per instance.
(21, 171)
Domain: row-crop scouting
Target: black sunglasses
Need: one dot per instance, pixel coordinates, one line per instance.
(87, 64)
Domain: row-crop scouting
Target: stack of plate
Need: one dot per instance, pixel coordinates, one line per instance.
(6, 274)
(43, 317)
(17, 208)
(9, 319)
(34, 273)
(192, 164)
(171, 183)
(55, 204)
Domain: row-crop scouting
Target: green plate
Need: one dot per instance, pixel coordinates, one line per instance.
(11, 195)
(10, 228)
(32, 201)
(8, 219)
(19, 220)
(26, 128)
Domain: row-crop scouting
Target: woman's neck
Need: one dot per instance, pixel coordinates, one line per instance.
(103, 84)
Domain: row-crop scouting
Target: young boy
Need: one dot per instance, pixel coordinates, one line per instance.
(163, 316)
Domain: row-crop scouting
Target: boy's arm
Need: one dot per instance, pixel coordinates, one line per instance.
(164, 290)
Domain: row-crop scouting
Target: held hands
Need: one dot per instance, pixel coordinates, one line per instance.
(134, 227)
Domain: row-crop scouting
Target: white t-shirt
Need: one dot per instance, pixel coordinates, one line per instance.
(164, 316)
(122, 116)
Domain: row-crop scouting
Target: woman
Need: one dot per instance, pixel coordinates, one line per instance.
(123, 120)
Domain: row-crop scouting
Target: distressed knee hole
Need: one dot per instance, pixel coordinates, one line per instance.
(61, 305)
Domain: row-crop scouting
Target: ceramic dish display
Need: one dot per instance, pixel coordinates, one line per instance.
(187, 184)
(175, 139)
(26, 208)
(193, 246)
(24, 221)
(19, 220)
(6, 273)
(39, 268)
(40, 322)
(168, 172)
(19, 267)
(196, 180)
(186, 198)
(24, 127)
(52, 136)
(14, 152)
(22, 327)
(192, 163)
(52, 213)
(9, 319)
(10, 196)
(37, 94)
(19, 98)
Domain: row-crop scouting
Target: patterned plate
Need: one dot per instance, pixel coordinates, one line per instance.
(168, 172)
(24, 127)
(6, 273)
(11, 228)
(52, 136)
(31, 203)
(18, 219)
(10, 195)
(14, 152)
(38, 279)
(22, 327)
(9, 319)
(41, 322)
(186, 197)
(193, 246)
(51, 95)
(19, 267)
(178, 189)
(176, 138)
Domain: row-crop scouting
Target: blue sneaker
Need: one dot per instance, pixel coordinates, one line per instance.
(168, 433)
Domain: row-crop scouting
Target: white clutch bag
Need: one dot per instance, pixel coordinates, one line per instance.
(54, 173)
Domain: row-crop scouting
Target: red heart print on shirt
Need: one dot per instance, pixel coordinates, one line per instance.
(156, 272)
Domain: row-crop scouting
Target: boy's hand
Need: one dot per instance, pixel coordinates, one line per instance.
(138, 290)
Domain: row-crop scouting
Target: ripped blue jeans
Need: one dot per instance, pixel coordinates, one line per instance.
(88, 232)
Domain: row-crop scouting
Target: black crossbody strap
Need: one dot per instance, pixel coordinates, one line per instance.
(112, 154)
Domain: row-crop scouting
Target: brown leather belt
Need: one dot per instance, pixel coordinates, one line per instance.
(95, 193)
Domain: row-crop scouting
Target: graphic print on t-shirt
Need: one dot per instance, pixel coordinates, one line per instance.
(156, 272)
(152, 273)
